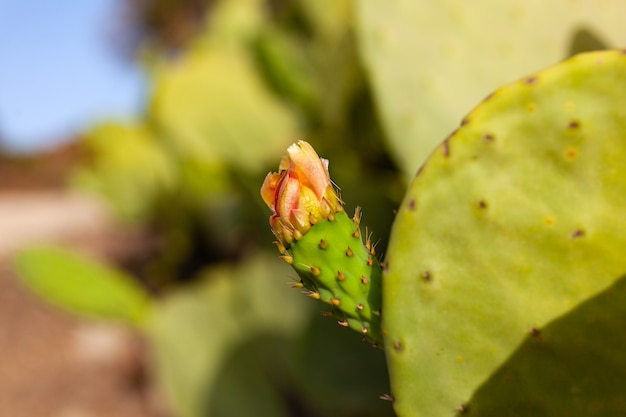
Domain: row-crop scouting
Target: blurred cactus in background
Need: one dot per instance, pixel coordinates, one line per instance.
(504, 253)
(219, 311)
(220, 112)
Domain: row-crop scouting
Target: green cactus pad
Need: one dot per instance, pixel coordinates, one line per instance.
(514, 221)
(338, 269)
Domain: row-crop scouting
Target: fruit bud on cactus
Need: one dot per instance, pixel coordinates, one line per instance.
(322, 243)
(300, 194)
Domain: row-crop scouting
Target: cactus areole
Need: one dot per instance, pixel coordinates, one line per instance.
(322, 243)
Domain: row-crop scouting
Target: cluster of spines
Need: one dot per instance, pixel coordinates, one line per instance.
(352, 289)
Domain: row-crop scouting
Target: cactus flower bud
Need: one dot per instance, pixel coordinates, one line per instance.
(322, 244)
(300, 194)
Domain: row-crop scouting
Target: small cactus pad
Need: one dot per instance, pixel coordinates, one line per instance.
(514, 221)
(337, 268)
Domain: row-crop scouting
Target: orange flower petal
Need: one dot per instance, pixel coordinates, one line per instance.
(300, 194)
(307, 162)
(268, 189)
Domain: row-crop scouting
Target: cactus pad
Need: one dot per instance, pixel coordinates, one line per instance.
(514, 221)
(337, 268)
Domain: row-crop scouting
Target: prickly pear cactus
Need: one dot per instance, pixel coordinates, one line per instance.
(513, 222)
(322, 243)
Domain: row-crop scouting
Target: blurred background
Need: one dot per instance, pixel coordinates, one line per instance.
(137, 271)
(134, 137)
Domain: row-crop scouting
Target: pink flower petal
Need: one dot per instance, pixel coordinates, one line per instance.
(288, 195)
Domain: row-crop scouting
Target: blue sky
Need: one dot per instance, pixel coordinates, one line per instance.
(59, 71)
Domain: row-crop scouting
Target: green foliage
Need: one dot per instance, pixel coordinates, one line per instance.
(128, 168)
(82, 286)
(431, 61)
(512, 223)
(288, 68)
(339, 374)
(199, 331)
(236, 341)
(212, 106)
(239, 342)
(256, 80)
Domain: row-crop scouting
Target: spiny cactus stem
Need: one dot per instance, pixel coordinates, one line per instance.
(336, 267)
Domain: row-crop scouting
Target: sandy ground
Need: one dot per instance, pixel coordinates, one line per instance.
(53, 364)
